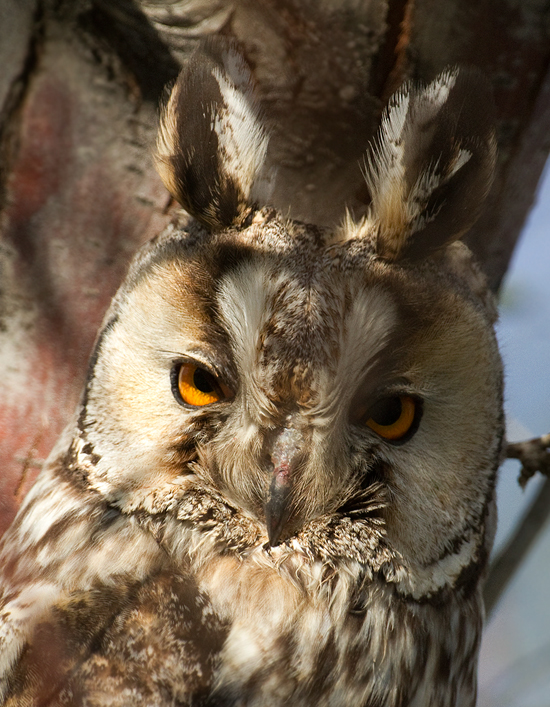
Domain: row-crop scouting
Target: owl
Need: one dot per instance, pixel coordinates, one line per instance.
(278, 487)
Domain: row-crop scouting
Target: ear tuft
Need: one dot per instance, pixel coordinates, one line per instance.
(431, 165)
(211, 145)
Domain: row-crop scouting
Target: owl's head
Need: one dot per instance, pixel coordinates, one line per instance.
(304, 377)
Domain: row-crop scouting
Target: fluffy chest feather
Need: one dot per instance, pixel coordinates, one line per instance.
(193, 619)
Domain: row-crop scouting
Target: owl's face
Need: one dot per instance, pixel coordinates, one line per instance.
(303, 376)
(294, 373)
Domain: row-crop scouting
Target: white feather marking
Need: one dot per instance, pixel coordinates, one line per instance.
(17, 621)
(424, 581)
(243, 305)
(371, 320)
(437, 93)
(384, 167)
(396, 204)
(241, 650)
(462, 157)
(166, 143)
(57, 501)
(349, 228)
(242, 139)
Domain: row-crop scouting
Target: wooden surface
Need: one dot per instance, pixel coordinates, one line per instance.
(79, 91)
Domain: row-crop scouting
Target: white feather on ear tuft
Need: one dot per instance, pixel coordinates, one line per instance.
(431, 165)
(241, 137)
(211, 145)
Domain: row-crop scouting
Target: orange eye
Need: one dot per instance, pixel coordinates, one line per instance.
(197, 387)
(393, 417)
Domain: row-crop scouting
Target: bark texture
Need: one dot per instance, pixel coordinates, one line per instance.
(79, 93)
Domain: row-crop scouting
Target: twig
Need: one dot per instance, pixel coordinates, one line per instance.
(534, 456)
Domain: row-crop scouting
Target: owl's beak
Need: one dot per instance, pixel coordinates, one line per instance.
(286, 456)
(277, 508)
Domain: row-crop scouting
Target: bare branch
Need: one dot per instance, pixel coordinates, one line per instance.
(534, 455)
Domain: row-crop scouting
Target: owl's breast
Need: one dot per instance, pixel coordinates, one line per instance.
(333, 646)
(316, 620)
(215, 622)
(268, 626)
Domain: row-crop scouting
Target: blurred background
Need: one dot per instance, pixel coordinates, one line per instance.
(515, 657)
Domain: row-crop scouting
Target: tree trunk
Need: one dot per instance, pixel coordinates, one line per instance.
(79, 91)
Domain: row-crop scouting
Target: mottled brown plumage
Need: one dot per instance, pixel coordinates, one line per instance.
(279, 485)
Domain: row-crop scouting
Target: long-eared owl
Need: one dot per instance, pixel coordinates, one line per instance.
(278, 487)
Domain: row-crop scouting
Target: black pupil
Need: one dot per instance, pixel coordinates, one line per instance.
(203, 381)
(386, 412)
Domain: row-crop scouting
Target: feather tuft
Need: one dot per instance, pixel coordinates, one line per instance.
(211, 145)
(431, 164)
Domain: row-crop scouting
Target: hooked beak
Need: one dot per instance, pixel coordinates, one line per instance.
(286, 456)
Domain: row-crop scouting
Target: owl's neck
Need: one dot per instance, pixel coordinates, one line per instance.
(333, 558)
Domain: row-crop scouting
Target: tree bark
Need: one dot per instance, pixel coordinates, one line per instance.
(79, 93)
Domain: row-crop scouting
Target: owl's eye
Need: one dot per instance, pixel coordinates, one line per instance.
(198, 387)
(394, 417)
